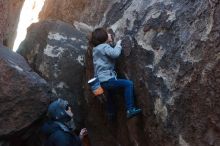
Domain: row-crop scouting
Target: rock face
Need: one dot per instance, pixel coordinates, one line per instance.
(9, 16)
(87, 11)
(23, 96)
(174, 63)
(56, 51)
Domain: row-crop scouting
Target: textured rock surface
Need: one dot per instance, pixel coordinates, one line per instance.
(9, 16)
(23, 95)
(56, 51)
(87, 11)
(173, 62)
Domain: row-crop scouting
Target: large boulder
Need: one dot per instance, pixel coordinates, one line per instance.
(87, 11)
(56, 51)
(23, 95)
(9, 17)
(174, 63)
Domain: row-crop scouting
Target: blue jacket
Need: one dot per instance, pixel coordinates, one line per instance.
(104, 61)
(58, 134)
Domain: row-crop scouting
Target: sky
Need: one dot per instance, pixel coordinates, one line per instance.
(29, 14)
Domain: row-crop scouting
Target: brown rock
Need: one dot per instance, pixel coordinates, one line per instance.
(9, 17)
(174, 63)
(23, 94)
(56, 50)
(87, 11)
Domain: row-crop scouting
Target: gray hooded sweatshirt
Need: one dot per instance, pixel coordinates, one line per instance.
(104, 61)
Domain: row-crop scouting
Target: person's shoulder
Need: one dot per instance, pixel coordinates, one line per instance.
(49, 128)
(66, 138)
(101, 46)
(60, 138)
(61, 135)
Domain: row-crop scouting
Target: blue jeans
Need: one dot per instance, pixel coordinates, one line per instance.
(113, 84)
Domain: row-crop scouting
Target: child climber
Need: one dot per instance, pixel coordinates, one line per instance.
(104, 64)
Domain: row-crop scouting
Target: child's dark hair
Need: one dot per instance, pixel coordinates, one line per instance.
(99, 36)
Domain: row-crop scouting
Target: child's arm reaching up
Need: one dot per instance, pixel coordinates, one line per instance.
(113, 52)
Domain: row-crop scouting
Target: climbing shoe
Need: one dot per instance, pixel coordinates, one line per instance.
(133, 112)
